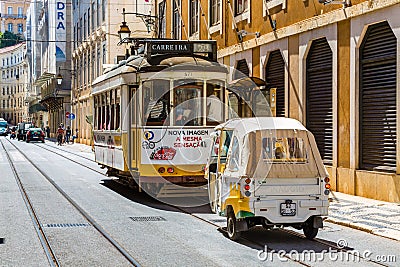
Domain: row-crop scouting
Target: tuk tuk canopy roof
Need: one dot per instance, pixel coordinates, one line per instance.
(250, 133)
(248, 125)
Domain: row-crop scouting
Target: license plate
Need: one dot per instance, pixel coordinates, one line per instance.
(288, 209)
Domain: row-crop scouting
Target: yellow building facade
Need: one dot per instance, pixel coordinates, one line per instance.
(334, 67)
(13, 16)
(95, 33)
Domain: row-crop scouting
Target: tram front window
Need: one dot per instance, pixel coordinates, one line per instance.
(214, 104)
(156, 101)
(187, 104)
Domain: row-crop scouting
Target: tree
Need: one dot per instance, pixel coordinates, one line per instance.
(8, 39)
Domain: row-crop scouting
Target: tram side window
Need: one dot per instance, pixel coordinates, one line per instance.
(106, 124)
(188, 103)
(156, 102)
(98, 113)
(214, 104)
(110, 113)
(95, 115)
(103, 112)
(117, 108)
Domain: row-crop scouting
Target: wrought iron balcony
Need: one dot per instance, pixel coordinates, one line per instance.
(13, 16)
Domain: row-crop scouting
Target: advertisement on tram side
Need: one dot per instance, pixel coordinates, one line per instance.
(177, 146)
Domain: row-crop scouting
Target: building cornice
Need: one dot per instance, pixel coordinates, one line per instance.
(309, 24)
(94, 37)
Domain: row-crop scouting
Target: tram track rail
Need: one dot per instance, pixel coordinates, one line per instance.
(175, 207)
(75, 161)
(51, 255)
(344, 249)
(269, 249)
(293, 233)
(63, 150)
(44, 241)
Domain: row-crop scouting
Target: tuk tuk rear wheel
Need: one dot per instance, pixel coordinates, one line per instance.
(231, 226)
(309, 231)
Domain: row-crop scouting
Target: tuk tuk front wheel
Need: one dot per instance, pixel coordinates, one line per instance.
(231, 226)
(310, 231)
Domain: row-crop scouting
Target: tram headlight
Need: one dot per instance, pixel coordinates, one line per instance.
(161, 170)
(170, 170)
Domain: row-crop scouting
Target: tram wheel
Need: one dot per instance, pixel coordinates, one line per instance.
(231, 226)
(309, 231)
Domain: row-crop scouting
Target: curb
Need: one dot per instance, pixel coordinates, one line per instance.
(361, 228)
(350, 225)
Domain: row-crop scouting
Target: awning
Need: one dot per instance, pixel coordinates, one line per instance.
(52, 103)
(244, 86)
(36, 108)
(46, 76)
(247, 82)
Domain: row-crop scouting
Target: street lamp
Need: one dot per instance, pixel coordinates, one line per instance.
(124, 31)
(59, 78)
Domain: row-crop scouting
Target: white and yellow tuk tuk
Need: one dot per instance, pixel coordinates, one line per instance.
(267, 171)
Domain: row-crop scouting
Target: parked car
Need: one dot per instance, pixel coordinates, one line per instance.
(34, 134)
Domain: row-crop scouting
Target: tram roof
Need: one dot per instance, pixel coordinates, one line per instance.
(247, 125)
(139, 63)
(156, 55)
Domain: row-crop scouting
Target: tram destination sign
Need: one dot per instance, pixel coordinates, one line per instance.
(160, 48)
(157, 47)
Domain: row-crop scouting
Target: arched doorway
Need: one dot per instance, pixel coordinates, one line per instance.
(319, 97)
(275, 78)
(378, 98)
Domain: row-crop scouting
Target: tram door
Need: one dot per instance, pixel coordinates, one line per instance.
(133, 129)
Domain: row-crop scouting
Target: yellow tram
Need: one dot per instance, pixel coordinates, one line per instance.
(154, 112)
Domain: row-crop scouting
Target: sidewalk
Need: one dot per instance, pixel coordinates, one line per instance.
(369, 215)
(72, 146)
(373, 216)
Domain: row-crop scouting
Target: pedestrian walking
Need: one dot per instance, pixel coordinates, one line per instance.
(67, 134)
(48, 131)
